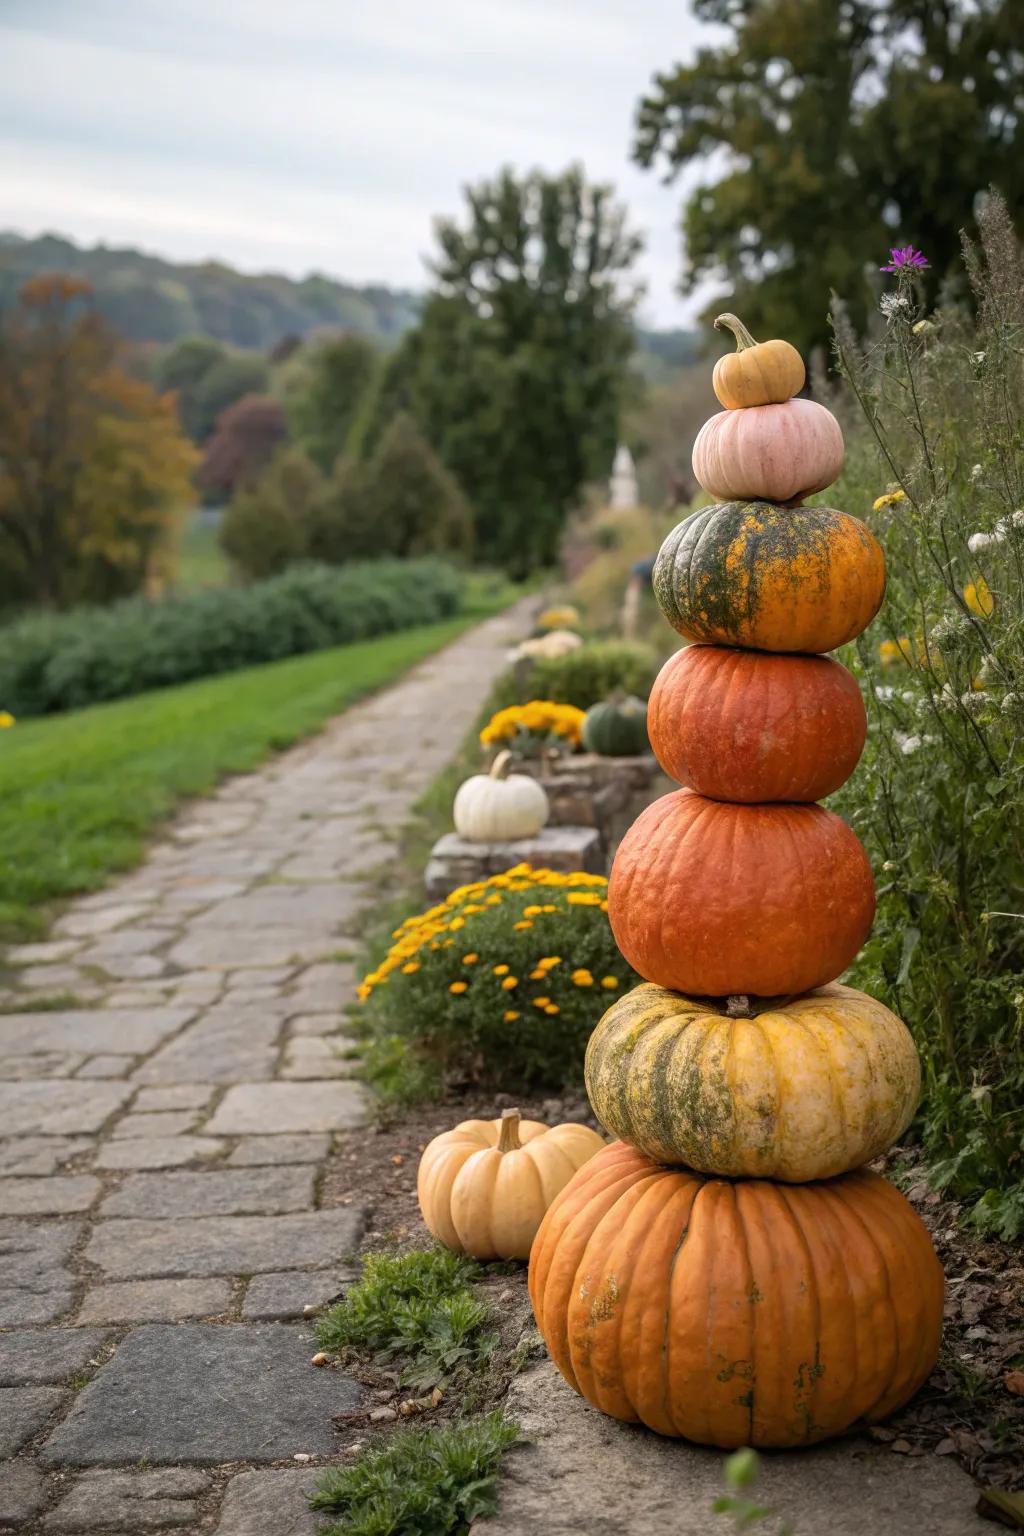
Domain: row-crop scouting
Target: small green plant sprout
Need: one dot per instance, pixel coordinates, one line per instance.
(423, 1482)
(416, 1310)
(742, 1470)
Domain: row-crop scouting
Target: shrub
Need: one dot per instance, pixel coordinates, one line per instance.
(937, 467)
(582, 677)
(266, 527)
(423, 1482)
(52, 663)
(505, 980)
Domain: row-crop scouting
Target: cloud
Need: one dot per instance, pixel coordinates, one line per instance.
(317, 134)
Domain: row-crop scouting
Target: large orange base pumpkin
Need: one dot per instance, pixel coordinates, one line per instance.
(711, 899)
(754, 726)
(736, 1312)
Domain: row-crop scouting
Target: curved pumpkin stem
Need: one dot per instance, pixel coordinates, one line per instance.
(743, 337)
(501, 764)
(508, 1140)
(738, 1007)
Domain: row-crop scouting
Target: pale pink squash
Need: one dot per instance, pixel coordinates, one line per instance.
(768, 452)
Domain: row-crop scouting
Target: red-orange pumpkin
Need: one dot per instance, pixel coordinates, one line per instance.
(755, 726)
(736, 1312)
(713, 899)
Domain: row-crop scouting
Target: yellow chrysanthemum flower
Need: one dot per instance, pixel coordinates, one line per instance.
(888, 500)
(521, 926)
(979, 599)
(501, 970)
(509, 983)
(470, 959)
(583, 899)
(6, 720)
(610, 983)
(582, 978)
(410, 969)
(458, 987)
(552, 1008)
(509, 1015)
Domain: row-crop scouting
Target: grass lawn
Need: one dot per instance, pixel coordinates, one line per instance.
(80, 792)
(201, 561)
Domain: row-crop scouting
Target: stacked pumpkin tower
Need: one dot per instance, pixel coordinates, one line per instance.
(729, 1270)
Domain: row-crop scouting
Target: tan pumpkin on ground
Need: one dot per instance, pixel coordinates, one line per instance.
(800, 1089)
(752, 726)
(769, 452)
(498, 807)
(483, 1187)
(736, 1312)
(770, 578)
(711, 899)
(758, 372)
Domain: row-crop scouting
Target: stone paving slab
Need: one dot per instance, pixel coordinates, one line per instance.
(579, 1473)
(270, 1504)
(34, 1278)
(129, 1249)
(42, 1356)
(231, 1192)
(284, 1296)
(40, 1154)
(251, 1108)
(154, 1301)
(60, 1195)
(23, 1410)
(59, 1108)
(130, 1501)
(156, 1152)
(204, 1393)
(257, 1151)
(125, 1031)
(21, 1492)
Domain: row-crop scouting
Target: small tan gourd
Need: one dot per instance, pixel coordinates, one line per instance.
(484, 1187)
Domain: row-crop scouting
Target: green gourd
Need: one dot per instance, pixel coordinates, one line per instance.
(617, 727)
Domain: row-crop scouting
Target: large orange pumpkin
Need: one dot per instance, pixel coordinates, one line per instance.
(770, 578)
(736, 1313)
(779, 452)
(714, 899)
(755, 726)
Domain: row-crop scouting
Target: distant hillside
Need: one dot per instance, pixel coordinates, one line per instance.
(149, 299)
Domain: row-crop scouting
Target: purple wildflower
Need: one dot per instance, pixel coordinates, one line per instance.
(903, 258)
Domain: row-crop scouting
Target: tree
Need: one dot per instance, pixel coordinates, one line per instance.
(94, 469)
(518, 370)
(847, 126)
(402, 501)
(328, 396)
(183, 368)
(247, 435)
(267, 525)
(236, 374)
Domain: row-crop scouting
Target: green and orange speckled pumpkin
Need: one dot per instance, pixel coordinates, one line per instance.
(736, 1313)
(799, 1089)
(711, 899)
(770, 578)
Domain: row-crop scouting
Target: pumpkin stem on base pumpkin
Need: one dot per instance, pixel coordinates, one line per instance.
(508, 1140)
(738, 1007)
(743, 337)
(500, 766)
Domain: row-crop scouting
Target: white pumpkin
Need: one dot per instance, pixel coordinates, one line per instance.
(493, 808)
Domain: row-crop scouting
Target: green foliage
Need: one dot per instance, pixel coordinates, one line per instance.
(149, 299)
(401, 502)
(49, 663)
(504, 981)
(842, 129)
(80, 792)
(328, 396)
(937, 796)
(518, 370)
(582, 677)
(182, 368)
(418, 1310)
(742, 1470)
(423, 1482)
(226, 382)
(267, 525)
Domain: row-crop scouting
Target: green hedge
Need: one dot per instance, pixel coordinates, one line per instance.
(64, 661)
(582, 677)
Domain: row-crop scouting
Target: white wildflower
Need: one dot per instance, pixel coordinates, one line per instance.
(979, 541)
(892, 304)
(1011, 702)
(974, 701)
(885, 694)
(976, 471)
(908, 744)
(979, 358)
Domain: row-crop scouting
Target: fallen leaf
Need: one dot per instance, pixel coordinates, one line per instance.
(879, 1432)
(945, 1447)
(902, 1447)
(398, 1159)
(1013, 1381)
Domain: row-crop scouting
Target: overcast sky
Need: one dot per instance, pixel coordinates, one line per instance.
(322, 134)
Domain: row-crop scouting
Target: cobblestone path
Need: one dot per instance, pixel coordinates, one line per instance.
(162, 1140)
